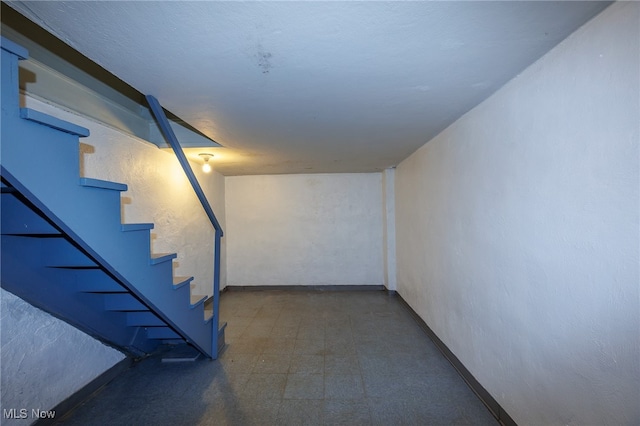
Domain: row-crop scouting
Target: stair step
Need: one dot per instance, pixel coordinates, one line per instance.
(122, 302)
(162, 333)
(197, 300)
(162, 257)
(60, 253)
(144, 319)
(56, 123)
(127, 227)
(19, 219)
(103, 184)
(181, 281)
(208, 309)
(97, 281)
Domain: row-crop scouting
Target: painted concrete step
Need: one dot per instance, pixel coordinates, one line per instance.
(55, 123)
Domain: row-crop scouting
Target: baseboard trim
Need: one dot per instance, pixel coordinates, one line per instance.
(318, 288)
(68, 405)
(489, 401)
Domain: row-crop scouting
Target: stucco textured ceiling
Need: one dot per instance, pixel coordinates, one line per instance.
(308, 87)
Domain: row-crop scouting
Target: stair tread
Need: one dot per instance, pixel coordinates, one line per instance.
(97, 281)
(34, 235)
(162, 333)
(60, 253)
(56, 123)
(208, 311)
(197, 299)
(126, 227)
(123, 302)
(162, 257)
(181, 281)
(103, 184)
(144, 319)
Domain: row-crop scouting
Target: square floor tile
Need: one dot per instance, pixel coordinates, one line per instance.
(296, 412)
(272, 363)
(309, 346)
(278, 345)
(341, 364)
(264, 386)
(304, 386)
(295, 358)
(346, 412)
(307, 364)
(343, 386)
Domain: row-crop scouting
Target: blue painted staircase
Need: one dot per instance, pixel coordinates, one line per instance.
(65, 250)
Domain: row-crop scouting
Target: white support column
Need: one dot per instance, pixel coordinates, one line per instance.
(389, 223)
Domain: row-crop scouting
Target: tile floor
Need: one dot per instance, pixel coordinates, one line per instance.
(294, 358)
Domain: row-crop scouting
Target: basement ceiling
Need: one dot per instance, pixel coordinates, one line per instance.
(313, 87)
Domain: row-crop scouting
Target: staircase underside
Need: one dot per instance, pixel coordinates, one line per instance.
(43, 265)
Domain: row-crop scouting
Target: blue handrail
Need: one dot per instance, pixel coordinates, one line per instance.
(172, 140)
(170, 136)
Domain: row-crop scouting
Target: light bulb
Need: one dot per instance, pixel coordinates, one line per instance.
(206, 167)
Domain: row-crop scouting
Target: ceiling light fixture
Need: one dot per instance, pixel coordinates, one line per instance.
(206, 167)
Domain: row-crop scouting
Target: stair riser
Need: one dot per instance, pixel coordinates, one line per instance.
(97, 281)
(17, 218)
(59, 253)
(143, 319)
(161, 333)
(122, 302)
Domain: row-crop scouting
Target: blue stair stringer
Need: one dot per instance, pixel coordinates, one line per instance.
(64, 248)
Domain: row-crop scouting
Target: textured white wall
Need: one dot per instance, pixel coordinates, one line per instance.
(517, 232)
(44, 360)
(318, 229)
